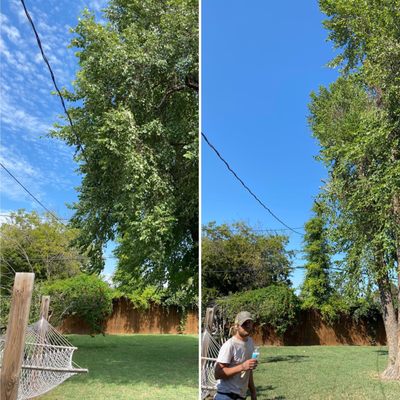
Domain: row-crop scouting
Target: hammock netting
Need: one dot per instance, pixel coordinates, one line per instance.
(47, 360)
(210, 347)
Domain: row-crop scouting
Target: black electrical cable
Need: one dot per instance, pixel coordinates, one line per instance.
(30, 194)
(79, 145)
(246, 187)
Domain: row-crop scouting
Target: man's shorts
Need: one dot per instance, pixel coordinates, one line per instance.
(223, 396)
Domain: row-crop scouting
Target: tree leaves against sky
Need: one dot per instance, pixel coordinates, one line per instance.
(136, 116)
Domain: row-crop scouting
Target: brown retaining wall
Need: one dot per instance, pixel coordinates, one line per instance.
(310, 329)
(127, 319)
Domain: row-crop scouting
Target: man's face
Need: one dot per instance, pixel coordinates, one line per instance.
(246, 328)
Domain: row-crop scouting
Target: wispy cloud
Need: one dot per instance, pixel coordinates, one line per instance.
(97, 5)
(28, 109)
(18, 119)
(24, 171)
(9, 30)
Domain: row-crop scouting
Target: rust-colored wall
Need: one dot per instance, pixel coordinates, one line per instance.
(126, 319)
(310, 329)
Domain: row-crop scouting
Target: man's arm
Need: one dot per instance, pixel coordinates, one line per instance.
(252, 387)
(223, 371)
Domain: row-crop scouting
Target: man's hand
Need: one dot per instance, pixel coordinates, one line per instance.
(249, 364)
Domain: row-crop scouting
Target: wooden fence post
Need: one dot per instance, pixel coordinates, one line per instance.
(207, 327)
(208, 322)
(44, 308)
(15, 335)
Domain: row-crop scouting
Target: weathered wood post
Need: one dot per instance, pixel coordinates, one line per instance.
(44, 308)
(208, 322)
(207, 327)
(15, 335)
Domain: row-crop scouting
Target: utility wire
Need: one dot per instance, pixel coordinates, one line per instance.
(58, 258)
(246, 187)
(30, 194)
(53, 78)
(8, 215)
(258, 230)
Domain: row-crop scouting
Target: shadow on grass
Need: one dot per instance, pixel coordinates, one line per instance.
(155, 360)
(264, 389)
(382, 352)
(288, 358)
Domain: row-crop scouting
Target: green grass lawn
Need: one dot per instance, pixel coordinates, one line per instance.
(123, 367)
(323, 373)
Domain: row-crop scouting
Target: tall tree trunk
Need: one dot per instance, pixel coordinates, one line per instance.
(396, 209)
(392, 370)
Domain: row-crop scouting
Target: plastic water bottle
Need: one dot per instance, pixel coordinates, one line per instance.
(256, 353)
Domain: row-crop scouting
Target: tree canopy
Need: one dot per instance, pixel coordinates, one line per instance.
(356, 121)
(236, 258)
(135, 128)
(30, 242)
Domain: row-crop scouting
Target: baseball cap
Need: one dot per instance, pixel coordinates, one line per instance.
(242, 317)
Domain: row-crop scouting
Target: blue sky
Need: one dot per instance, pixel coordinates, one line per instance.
(260, 62)
(28, 109)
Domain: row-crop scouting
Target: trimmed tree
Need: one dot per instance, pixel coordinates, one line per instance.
(316, 290)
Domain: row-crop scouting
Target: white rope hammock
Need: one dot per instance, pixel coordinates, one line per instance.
(47, 360)
(209, 354)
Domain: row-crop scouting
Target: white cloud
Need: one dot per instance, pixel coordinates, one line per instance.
(16, 118)
(22, 170)
(11, 31)
(97, 5)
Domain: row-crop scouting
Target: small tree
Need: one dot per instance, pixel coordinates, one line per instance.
(84, 296)
(316, 289)
(30, 242)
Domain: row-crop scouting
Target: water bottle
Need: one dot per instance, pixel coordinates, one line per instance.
(256, 353)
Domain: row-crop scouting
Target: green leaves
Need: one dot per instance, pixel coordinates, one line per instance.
(136, 115)
(275, 305)
(356, 121)
(84, 296)
(237, 258)
(40, 244)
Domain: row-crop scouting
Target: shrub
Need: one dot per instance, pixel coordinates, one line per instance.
(275, 305)
(86, 296)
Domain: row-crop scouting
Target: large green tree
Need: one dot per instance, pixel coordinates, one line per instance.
(136, 133)
(357, 122)
(237, 258)
(30, 242)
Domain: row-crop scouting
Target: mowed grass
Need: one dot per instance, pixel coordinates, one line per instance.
(123, 367)
(323, 373)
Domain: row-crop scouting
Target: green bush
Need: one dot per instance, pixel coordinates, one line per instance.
(275, 305)
(85, 296)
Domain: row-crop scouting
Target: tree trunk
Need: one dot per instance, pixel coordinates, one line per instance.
(392, 370)
(396, 209)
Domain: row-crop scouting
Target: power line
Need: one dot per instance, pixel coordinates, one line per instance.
(8, 215)
(30, 194)
(246, 187)
(53, 78)
(59, 258)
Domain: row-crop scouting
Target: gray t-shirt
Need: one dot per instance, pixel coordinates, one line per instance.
(233, 352)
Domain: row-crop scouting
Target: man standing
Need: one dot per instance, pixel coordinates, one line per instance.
(234, 366)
